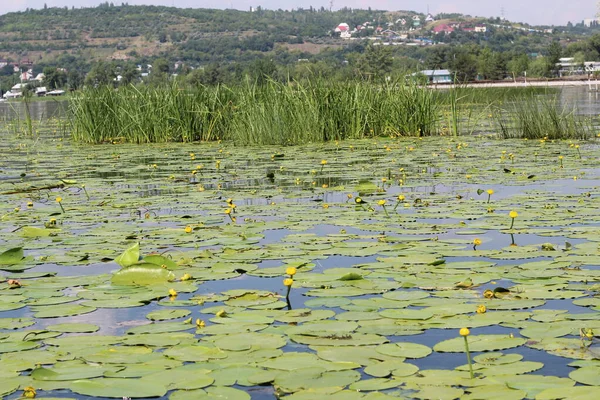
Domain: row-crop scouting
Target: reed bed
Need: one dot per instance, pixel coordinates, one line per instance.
(282, 113)
(273, 113)
(544, 118)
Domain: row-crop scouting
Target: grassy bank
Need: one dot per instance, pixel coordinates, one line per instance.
(280, 113)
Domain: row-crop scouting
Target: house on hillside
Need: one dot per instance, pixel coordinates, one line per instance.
(429, 18)
(343, 30)
(436, 75)
(443, 28)
(480, 28)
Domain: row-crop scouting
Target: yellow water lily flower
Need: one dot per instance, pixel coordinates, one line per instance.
(186, 277)
(288, 282)
(172, 292)
(476, 241)
(513, 214)
(464, 332)
(200, 323)
(291, 271)
(481, 309)
(221, 314)
(29, 392)
(188, 229)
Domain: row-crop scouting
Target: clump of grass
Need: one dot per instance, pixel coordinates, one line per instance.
(269, 113)
(540, 118)
(145, 115)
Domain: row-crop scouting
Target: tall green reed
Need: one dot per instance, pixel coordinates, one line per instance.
(542, 118)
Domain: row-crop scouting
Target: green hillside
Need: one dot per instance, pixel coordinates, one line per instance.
(227, 45)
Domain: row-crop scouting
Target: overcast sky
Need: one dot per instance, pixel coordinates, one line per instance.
(535, 12)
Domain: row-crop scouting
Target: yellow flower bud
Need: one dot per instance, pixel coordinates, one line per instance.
(288, 282)
(291, 271)
(186, 277)
(464, 332)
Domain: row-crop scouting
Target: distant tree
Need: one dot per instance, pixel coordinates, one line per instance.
(518, 65)
(538, 68)
(74, 80)
(436, 58)
(262, 69)
(7, 70)
(161, 66)
(129, 74)
(554, 53)
(101, 74)
(464, 65)
(54, 78)
(376, 62)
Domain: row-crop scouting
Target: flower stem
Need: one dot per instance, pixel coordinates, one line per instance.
(512, 223)
(469, 357)
(386, 213)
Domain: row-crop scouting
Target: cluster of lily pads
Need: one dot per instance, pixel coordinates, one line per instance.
(342, 270)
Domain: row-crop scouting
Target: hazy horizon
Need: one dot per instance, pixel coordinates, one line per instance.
(534, 12)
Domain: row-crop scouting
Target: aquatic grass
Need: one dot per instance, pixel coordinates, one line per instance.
(272, 113)
(146, 115)
(541, 118)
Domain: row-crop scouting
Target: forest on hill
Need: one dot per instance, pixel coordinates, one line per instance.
(121, 44)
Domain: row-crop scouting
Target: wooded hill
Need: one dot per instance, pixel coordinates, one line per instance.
(226, 43)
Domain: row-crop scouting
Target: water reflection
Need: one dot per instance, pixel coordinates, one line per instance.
(40, 110)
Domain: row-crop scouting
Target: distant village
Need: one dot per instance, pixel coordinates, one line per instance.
(27, 78)
(405, 30)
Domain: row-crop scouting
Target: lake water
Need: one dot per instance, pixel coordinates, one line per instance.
(392, 280)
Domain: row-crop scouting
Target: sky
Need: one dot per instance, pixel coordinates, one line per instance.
(534, 12)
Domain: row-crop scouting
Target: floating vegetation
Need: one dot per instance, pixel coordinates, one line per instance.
(142, 285)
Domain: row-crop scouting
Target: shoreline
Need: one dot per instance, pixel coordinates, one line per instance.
(593, 84)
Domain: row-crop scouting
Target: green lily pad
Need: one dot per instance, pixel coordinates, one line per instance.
(118, 388)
